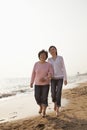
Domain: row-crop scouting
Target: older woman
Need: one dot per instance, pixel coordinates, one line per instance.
(41, 75)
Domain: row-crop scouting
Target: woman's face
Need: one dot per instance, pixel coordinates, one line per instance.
(42, 57)
(53, 51)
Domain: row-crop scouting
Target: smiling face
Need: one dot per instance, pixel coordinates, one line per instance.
(42, 57)
(53, 51)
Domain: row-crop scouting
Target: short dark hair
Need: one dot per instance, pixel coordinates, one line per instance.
(43, 51)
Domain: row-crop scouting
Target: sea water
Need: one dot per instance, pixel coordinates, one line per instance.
(15, 86)
(17, 98)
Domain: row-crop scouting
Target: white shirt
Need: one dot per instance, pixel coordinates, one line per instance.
(59, 67)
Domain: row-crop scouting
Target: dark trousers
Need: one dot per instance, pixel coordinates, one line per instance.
(56, 91)
(41, 94)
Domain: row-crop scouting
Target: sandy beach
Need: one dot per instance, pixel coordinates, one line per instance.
(22, 106)
(72, 116)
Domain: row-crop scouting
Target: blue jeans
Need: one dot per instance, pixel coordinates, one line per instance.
(41, 94)
(56, 90)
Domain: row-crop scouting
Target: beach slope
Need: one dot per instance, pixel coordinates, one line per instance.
(71, 117)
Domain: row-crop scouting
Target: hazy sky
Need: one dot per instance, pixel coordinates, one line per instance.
(28, 26)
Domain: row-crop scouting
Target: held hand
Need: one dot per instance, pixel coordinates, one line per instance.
(42, 80)
(49, 76)
(65, 82)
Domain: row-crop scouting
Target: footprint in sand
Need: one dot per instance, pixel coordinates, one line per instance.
(40, 126)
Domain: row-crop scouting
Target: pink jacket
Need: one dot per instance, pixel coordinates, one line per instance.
(41, 70)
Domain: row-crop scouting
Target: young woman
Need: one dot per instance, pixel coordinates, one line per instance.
(41, 75)
(58, 77)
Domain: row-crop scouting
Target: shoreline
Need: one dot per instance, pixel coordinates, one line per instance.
(72, 117)
(22, 106)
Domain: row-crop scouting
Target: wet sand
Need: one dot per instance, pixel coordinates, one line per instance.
(22, 106)
(71, 117)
